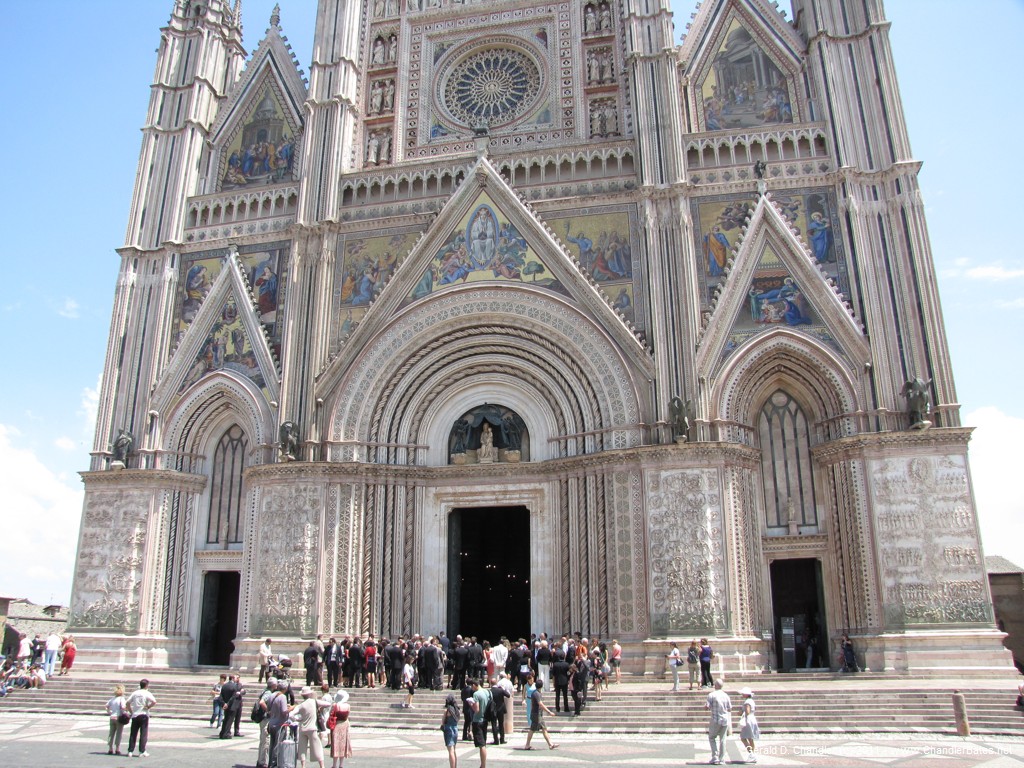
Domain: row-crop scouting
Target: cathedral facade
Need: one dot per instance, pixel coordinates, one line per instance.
(522, 317)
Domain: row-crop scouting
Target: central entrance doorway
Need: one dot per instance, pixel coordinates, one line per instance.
(489, 572)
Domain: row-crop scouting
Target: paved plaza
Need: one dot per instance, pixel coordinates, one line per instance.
(66, 741)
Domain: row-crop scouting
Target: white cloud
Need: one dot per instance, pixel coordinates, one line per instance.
(46, 512)
(88, 408)
(65, 443)
(995, 468)
(1011, 304)
(68, 309)
(994, 272)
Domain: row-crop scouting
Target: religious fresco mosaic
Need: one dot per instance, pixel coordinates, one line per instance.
(603, 240)
(744, 88)
(363, 267)
(485, 246)
(720, 221)
(774, 296)
(264, 268)
(263, 151)
(227, 347)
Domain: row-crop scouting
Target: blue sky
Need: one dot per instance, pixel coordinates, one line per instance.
(79, 73)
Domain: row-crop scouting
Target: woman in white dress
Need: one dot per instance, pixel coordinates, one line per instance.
(749, 730)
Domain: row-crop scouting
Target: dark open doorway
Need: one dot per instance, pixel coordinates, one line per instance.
(799, 615)
(489, 572)
(219, 621)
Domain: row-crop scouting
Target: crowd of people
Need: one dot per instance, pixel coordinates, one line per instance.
(35, 660)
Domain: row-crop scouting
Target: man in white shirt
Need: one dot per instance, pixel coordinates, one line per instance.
(264, 659)
(53, 643)
(139, 704)
(720, 707)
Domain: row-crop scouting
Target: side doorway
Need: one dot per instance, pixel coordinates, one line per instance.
(218, 623)
(798, 613)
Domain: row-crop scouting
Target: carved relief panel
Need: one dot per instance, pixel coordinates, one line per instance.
(111, 557)
(687, 551)
(287, 568)
(932, 571)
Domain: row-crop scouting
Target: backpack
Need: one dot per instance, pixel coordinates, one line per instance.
(258, 712)
(692, 657)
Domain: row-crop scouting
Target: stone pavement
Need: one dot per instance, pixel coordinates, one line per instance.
(65, 741)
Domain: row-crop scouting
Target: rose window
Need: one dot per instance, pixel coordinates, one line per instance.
(492, 87)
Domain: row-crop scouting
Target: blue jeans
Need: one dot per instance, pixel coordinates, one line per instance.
(50, 657)
(218, 711)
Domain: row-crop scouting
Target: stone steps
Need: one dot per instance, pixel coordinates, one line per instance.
(624, 708)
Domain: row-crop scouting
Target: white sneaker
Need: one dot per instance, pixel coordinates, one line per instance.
(144, 754)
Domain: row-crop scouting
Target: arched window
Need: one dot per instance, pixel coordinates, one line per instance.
(786, 467)
(224, 522)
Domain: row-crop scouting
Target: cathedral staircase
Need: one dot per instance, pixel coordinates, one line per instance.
(786, 704)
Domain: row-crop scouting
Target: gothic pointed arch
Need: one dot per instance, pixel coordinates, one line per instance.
(256, 135)
(533, 353)
(773, 281)
(226, 334)
(803, 367)
(744, 63)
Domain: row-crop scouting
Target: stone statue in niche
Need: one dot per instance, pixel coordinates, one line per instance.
(376, 97)
(589, 20)
(378, 9)
(485, 454)
(372, 149)
(461, 431)
(919, 402)
(122, 447)
(288, 438)
(605, 17)
(511, 432)
(593, 68)
(391, 7)
(389, 95)
(384, 154)
(607, 72)
(611, 119)
(595, 119)
(378, 53)
(393, 48)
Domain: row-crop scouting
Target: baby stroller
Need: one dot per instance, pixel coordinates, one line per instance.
(280, 667)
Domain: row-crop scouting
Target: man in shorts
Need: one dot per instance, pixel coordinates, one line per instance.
(481, 702)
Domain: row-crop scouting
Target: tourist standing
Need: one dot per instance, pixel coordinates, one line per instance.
(706, 653)
(480, 703)
(263, 752)
(720, 707)
(499, 698)
(693, 662)
(53, 643)
(139, 704)
(68, 659)
(409, 681)
(750, 732)
(450, 728)
(277, 716)
(118, 716)
(560, 678)
(848, 656)
(537, 711)
(337, 724)
(309, 741)
(263, 656)
(217, 716)
(675, 659)
(616, 661)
